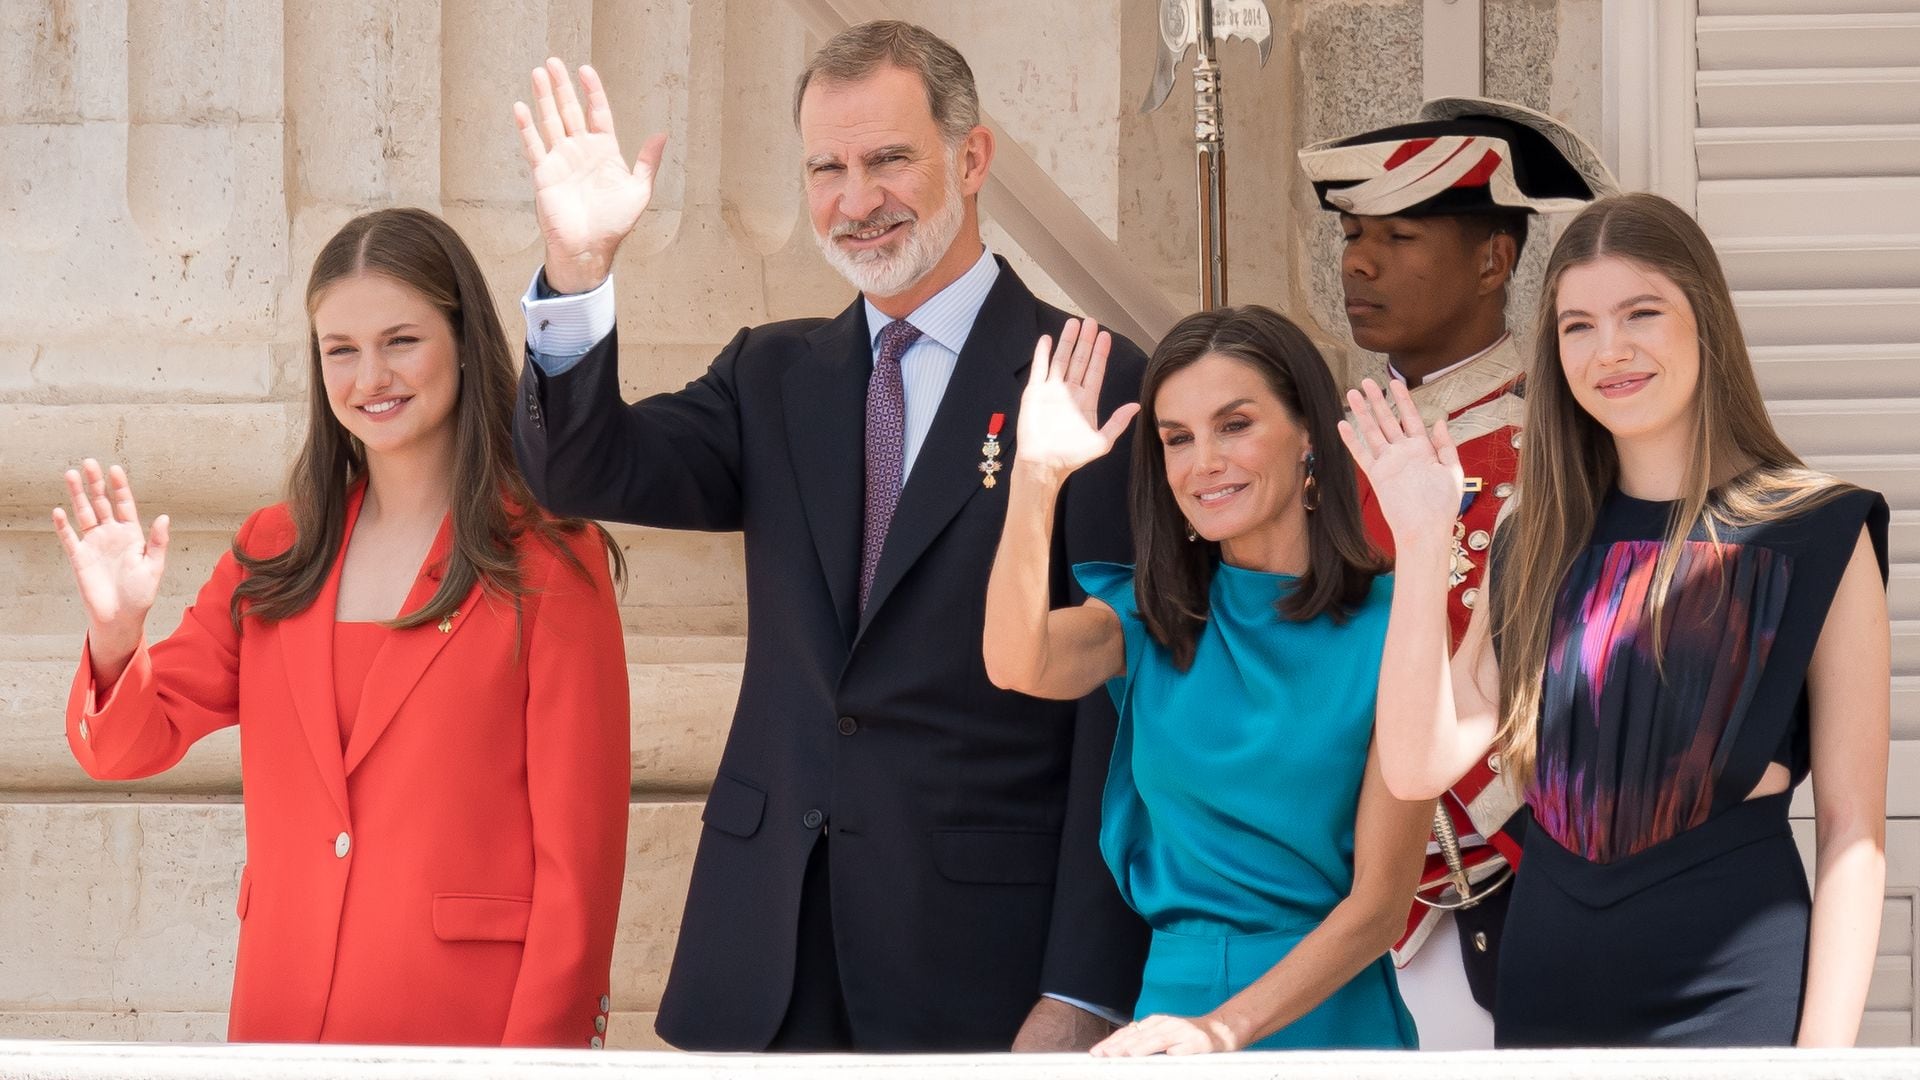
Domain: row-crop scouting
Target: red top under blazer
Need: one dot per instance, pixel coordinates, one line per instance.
(456, 878)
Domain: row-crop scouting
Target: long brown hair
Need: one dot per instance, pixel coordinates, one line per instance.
(492, 507)
(1175, 573)
(1738, 473)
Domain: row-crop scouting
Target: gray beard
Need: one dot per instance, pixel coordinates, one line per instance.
(890, 273)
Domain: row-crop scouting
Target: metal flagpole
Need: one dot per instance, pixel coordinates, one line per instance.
(1180, 26)
(1210, 167)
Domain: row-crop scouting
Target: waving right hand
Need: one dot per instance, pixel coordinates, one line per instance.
(586, 197)
(1414, 472)
(115, 563)
(1059, 428)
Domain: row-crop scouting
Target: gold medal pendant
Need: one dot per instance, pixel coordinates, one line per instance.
(1462, 562)
(990, 451)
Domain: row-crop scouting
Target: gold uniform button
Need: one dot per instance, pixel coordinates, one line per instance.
(1503, 491)
(1493, 764)
(605, 1004)
(1468, 598)
(1479, 540)
(596, 1042)
(1515, 440)
(600, 1024)
(1480, 940)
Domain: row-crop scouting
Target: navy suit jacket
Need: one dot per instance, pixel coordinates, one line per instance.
(964, 864)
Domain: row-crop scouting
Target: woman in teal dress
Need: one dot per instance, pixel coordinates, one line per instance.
(1245, 816)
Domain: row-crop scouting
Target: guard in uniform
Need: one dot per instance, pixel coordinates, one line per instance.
(1435, 216)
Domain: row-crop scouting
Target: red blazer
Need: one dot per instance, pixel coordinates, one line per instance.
(455, 876)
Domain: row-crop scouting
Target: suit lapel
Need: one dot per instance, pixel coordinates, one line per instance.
(401, 662)
(825, 397)
(986, 380)
(306, 645)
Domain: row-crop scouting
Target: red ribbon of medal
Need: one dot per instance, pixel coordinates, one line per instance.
(990, 450)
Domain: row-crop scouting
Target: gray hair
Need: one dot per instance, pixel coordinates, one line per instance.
(858, 51)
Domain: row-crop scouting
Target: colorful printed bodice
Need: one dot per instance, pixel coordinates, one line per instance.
(1640, 741)
(1629, 758)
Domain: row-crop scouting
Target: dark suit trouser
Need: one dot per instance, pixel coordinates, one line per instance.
(816, 1017)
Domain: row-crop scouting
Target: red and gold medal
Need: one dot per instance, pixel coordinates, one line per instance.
(990, 450)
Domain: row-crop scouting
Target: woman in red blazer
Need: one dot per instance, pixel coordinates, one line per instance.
(428, 675)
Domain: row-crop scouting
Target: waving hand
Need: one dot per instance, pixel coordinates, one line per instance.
(585, 194)
(115, 562)
(1060, 427)
(1415, 472)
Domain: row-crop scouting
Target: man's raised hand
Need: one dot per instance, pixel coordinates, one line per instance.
(585, 194)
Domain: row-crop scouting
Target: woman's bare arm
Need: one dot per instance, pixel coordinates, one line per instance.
(1847, 688)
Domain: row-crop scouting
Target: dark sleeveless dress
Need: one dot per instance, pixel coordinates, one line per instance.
(1659, 906)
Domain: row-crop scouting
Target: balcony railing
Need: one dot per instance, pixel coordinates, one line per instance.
(101, 1061)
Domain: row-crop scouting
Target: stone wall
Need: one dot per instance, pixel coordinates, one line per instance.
(168, 169)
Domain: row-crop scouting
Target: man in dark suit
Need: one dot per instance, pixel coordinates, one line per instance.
(896, 855)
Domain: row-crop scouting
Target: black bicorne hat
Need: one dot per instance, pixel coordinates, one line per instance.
(1463, 155)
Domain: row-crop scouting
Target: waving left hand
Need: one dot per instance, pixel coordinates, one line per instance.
(1171, 1035)
(1059, 428)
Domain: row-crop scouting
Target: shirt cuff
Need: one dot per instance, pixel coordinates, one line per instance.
(562, 329)
(1111, 1016)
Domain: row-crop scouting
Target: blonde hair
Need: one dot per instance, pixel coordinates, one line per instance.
(1739, 472)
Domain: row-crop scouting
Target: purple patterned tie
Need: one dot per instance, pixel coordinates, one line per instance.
(886, 445)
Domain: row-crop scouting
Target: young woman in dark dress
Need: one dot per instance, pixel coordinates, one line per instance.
(1683, 623)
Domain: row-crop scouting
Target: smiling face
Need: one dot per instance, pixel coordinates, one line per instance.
(889, 197)
(389, 363)
(1630, 350)
(1235, 459)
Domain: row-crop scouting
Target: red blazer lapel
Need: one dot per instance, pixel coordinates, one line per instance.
(306, 644)
(403, 660)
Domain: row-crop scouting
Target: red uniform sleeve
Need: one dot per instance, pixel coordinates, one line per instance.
(171, 695)
(579, 775)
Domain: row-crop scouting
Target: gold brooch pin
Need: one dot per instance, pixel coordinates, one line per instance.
(446, 624)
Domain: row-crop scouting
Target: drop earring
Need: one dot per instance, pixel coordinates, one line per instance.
(1310, 497)
(1191, 535)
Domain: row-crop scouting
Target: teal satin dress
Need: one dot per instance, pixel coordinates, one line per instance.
(1230, 800)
